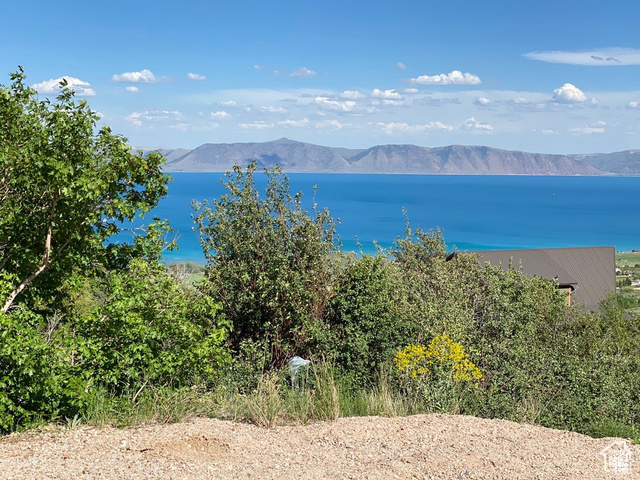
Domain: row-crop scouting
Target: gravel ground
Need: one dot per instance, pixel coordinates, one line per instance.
(421, 447)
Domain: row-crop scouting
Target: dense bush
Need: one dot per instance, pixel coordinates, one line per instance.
(39, 380)
(150, 330)
(268, 263)
(368, 320)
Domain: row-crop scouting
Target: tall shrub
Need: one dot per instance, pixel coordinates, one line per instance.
(268, 262)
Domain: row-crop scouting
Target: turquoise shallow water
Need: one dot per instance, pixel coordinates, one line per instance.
(475, 212)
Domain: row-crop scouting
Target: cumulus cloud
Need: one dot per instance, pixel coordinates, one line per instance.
(228, 103)
(482, 102)
(256, 125)
(303, 72)
(294, 123)
(143, 76)
(402, 127)
(411, 91)
(633, 105)
(132, 89)
(603, 57)
(388, 94)
(351, 94)
(52, 86)
(454, 78)
(326, 102)
(219, 114)
(195, 76)
(471, 124)
(401, 66)
(569, 93)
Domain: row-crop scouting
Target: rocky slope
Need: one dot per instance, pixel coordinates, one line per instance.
(622, 163)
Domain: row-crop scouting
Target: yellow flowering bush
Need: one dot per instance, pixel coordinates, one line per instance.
(441, 356)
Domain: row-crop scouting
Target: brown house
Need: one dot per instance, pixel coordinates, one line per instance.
(587, 274)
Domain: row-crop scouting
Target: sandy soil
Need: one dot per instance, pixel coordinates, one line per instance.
(421, 447)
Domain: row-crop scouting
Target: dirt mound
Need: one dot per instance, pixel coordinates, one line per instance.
(422, 446)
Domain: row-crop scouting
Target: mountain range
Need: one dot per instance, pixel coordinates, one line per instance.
(295, 156)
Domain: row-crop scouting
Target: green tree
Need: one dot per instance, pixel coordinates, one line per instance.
(268, 262)
(65, 187)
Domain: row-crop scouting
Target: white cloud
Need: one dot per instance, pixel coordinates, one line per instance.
(219, 114)
(472, 124)
(589, 129)
(195, 76)
(569, 93)
(402, 127)
(401, 66)
(256, 125)
(454, 78)
(482, 101)
(599, 57)
(633, 105)
(331, 124)
(259, 67)
(411, 91)
(389, 94)
(294, 123)
(274, 109)
(228, 103)
(351, 94)
(80, 87)
(154, 117)
(548, 131)
(132, 89)
(392, 102)
(346, 106)
(143, 76)
(303, 72)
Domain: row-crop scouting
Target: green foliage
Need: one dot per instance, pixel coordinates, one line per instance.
(627, 259)
(368, 319)
(623, 282)
(79, 315)
(268, 262)
(39, 380)
(65, 186)
(151, 330)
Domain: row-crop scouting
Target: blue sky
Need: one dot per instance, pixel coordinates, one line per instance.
(557, 77)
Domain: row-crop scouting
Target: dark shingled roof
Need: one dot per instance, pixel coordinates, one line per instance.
(589, 271)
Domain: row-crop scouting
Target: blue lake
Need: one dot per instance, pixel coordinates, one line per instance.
(474, 212)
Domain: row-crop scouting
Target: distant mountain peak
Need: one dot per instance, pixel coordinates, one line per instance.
(284, 140)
